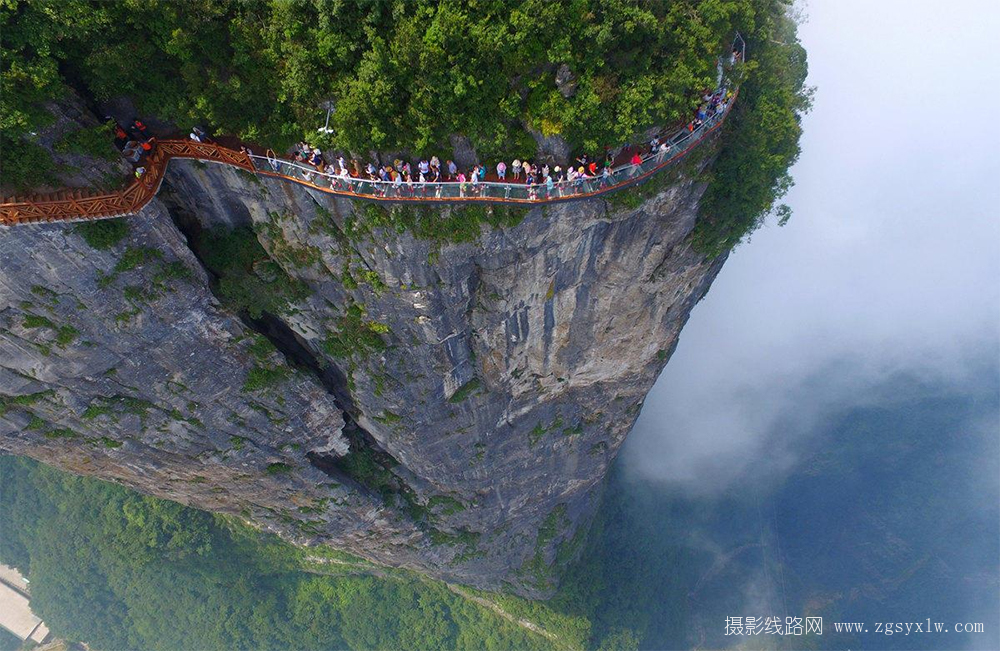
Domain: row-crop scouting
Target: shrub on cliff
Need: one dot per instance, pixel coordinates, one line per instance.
(761, 140)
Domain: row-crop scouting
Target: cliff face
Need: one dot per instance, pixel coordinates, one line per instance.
(442, 398)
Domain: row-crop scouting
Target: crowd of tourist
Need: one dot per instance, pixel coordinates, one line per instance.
(400, 178)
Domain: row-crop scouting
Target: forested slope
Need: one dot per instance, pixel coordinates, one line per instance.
(120, 570)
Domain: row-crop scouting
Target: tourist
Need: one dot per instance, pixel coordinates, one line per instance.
(548, 186)
(132, 151)
(663, 150)
(452, 170)
(272, 159)
(120, 136)
(516, 169)
(502, 171)
(436, 166)
(138, 130)
(636, 164)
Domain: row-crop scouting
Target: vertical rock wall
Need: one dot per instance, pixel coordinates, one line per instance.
(492, 371)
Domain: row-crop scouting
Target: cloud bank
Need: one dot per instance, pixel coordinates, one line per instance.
(889, 267)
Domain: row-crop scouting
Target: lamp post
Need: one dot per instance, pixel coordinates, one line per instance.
(330, 106)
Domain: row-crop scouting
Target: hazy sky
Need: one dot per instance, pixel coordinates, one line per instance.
(889, 264)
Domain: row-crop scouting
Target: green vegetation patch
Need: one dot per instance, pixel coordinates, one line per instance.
(536, 434)
(465, 391)
(262, 348)
(24, 164)
(97, 141)
(65, 334)
(44, 292)
(36, 321)
(387, 417)
(536, 568)
(136, 256)
(445, 505)
(104, 233)
(264, 377)
(61, 433)
(113, 406)
(760, 141)
(248, 280)
(7, 402)
(440, 225)
(355, 335)
(367, 468)
(277, 468)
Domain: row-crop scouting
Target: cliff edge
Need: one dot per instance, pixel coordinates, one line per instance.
(429, 388)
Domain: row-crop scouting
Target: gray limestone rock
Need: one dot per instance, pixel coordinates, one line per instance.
(493, 359)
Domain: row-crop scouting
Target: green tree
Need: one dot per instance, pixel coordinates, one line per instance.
(761, 139)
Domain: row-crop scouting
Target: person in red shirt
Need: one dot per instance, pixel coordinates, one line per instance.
(636, 162)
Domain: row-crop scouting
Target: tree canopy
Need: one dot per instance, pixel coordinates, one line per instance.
(403, 74)
(120, 570)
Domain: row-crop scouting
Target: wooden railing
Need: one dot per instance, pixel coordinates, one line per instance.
(78, 205)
